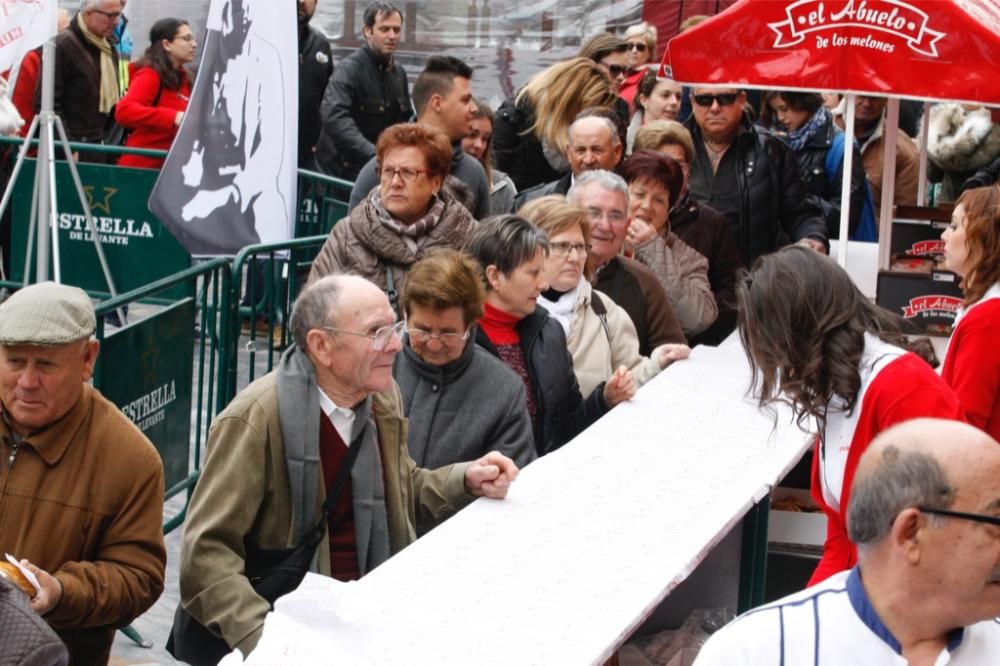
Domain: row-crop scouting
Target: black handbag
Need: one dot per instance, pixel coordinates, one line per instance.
(272, 573)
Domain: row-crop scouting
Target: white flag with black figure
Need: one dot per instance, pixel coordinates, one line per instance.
(229, 178)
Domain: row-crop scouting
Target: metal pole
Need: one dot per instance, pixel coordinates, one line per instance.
(845, 190)
(42, 173)
(925, 125)
(890, 127)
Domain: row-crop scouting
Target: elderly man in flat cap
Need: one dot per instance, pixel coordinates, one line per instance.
(81, 488)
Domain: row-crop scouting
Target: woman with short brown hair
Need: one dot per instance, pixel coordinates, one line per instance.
(406, 216)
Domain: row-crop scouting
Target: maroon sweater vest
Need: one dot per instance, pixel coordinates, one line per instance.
(340, 524)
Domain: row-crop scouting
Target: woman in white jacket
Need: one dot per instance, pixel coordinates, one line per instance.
(600, 335)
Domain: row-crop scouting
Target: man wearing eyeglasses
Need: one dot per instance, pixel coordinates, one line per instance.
(282, 441)
(749, 176)
(925, 515)
(86, 73)
(462, 402)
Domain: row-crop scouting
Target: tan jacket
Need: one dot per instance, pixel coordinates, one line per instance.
(244, 494)
(83, 500)
(360, 244)
(683, 272)
(907, 166)
(598, 353)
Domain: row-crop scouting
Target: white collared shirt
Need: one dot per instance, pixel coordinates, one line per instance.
(341, 417)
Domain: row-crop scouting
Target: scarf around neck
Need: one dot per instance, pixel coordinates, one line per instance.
(299, 414)
(421, 227)
(800, 137)
(110, 92)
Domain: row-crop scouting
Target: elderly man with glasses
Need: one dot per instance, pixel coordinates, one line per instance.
(925, 515)
(327, 423)
(86, 79)
(462, 401)
(749, 176)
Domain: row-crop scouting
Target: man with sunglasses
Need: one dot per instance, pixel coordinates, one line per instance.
(87, 85)
(462, 401)
(925, 515)
(280, 444)
(749, 176)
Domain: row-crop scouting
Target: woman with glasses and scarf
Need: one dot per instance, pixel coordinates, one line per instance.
(843, 364)
(159, 92)
(600, 336)
(407, 215)
(808, 128)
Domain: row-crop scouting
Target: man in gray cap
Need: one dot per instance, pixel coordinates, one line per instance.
(81, 488)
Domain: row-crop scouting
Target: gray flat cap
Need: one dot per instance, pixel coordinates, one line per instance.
(45, 315)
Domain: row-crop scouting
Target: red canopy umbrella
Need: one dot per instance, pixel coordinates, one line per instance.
(944, 49)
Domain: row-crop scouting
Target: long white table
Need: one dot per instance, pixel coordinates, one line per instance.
(589, 541)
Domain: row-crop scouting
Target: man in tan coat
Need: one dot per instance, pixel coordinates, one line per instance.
(282, 441)
(81, 488)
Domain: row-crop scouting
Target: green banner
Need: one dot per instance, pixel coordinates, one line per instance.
(139, 249)
(146, 368)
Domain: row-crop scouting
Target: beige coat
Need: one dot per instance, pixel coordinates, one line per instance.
(362, 245)
(244, 494)
(683, 272)
(595, 356)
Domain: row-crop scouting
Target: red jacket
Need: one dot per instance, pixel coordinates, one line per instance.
(23, 96)
(905, 389)
(972, 365)
(152, 126)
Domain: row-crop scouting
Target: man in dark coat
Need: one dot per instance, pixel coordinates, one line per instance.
(315, 68)
(750, 177)
(367, 93)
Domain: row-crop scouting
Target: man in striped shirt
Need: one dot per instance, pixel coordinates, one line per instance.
(925, 515)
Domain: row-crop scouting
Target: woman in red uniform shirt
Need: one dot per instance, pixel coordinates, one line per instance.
(159, 91)
(972, 362)
(816, 343)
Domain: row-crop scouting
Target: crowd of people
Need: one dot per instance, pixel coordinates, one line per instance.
(504, 279)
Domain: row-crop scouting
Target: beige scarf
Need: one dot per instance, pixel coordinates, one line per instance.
(110, 93)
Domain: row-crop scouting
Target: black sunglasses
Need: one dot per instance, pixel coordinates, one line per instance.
(976, 517)
(616, 70)
(637, 46)
(724, 99)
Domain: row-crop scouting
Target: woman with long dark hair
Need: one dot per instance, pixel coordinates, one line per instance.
(817, 344)
(159, 92)
(972, 362)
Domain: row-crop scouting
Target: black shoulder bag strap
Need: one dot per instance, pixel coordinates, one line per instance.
(315, 535)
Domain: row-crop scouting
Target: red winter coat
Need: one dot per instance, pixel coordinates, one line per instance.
(972, 365)
(152, 126)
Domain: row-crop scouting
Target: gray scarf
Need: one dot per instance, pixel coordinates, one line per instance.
(419, 228)
(298, 413)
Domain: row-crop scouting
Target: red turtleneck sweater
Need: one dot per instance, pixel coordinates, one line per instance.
(500, 328)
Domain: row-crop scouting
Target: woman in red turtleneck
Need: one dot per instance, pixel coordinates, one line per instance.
(512, 252)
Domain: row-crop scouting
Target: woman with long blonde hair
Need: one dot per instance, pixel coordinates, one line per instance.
(531, 132)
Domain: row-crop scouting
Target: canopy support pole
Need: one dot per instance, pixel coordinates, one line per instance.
(890, 127)
(845, 190)
(925, 125)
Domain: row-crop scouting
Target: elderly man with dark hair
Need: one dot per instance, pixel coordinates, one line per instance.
(511, 252)
(81, 488)
(367, 93)
(594, 143)
(925, 515)
(276, 451)
(443, 98)
(631, 285)
(461, 400)
(749, 176)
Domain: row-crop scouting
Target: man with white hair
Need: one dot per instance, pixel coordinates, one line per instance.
(81, 488)
(925, 515)
(594, 143)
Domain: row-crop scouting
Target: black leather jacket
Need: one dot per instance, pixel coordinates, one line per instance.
(563, 413)
(315, 68)
(366, 94)
(774, 207)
